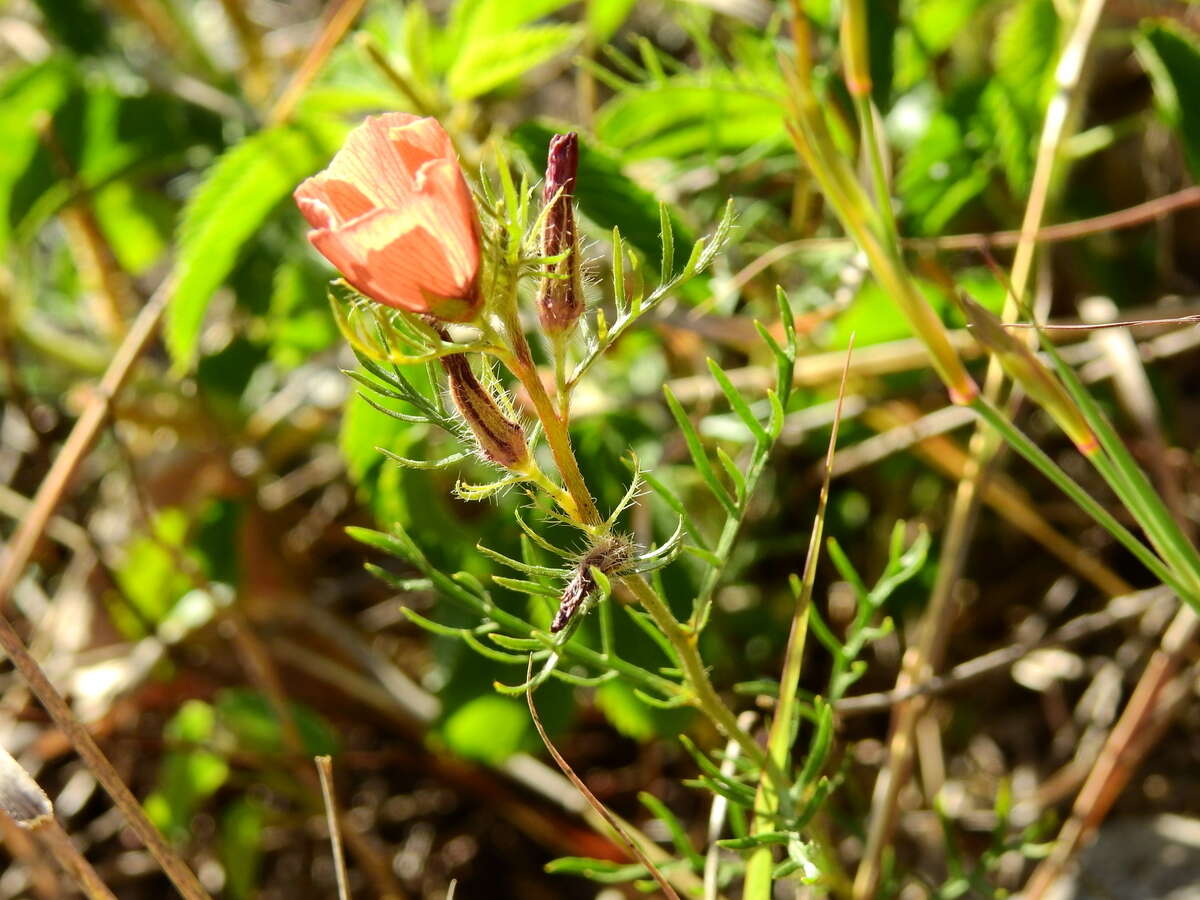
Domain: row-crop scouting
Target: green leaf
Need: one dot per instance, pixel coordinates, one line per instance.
(873, 318)
(606, 195)
(882, 25)
(604, 17)
(679, 836)
(31, 90)
(239, 192)
(938, 22)
(679, 119)
(493, 61)
(737, 402)
(76, 24)
(187, 777)
(242, 826)
(250, 717)
(488, 728)
(150, 576)
(1024, 53)
(298, 323)
(939, 176)
(633, 718)
(601, 870)
(1012, 104)
(137, 223)
(102, 134)
(476, 20)
(1012, 135)
(1171, 55)
(696, 449)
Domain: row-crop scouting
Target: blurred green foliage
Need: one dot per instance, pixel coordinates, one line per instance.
(188, 181)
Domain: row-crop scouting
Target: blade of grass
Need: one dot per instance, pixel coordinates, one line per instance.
(782, 734)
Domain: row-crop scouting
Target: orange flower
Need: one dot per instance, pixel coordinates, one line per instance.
(395, 216)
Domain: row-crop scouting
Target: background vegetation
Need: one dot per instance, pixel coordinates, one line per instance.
(181, 452)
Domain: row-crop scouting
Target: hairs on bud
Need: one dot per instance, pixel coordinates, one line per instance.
(610, 554)
(560, 299)
(500, 439)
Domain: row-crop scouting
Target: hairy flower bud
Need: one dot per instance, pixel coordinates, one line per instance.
(609, 555)
(560, 301)
(501, 440)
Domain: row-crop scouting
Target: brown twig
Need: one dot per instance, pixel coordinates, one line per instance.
(45, 881)
(1119, 609)
(926, 655)
(26, 537)
(591, 798)
(93, 254)
(1157, 695)
(325, 771)
(51, 832)
(1130, 217)
(23, 799)
(54, 486)
(338, 21)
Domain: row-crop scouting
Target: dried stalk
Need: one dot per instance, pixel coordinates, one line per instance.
(63, 470)
(923, 659)
(325, 771)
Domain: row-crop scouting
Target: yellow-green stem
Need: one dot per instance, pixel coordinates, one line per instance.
(557, 437)
(705, 697)
(873, 147)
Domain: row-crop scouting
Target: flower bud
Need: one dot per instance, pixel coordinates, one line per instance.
(501, 440)
(1023, 366)
(609, 555)
(560, 301)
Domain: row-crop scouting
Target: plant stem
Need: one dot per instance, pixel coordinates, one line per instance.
(1017, 439)
(559, 441)
(873, 146)
(705, 697)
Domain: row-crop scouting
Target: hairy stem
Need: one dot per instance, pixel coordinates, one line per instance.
(705, 697)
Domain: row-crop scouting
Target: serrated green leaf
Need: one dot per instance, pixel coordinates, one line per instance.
(1024, 52)
(493, 61)
(680, 119)
(30, 90)
(238, 193)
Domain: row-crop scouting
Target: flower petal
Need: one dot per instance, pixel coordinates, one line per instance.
(419, 141)
(328, 202)
(393, 257)
(368, 161)
(449, 212)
